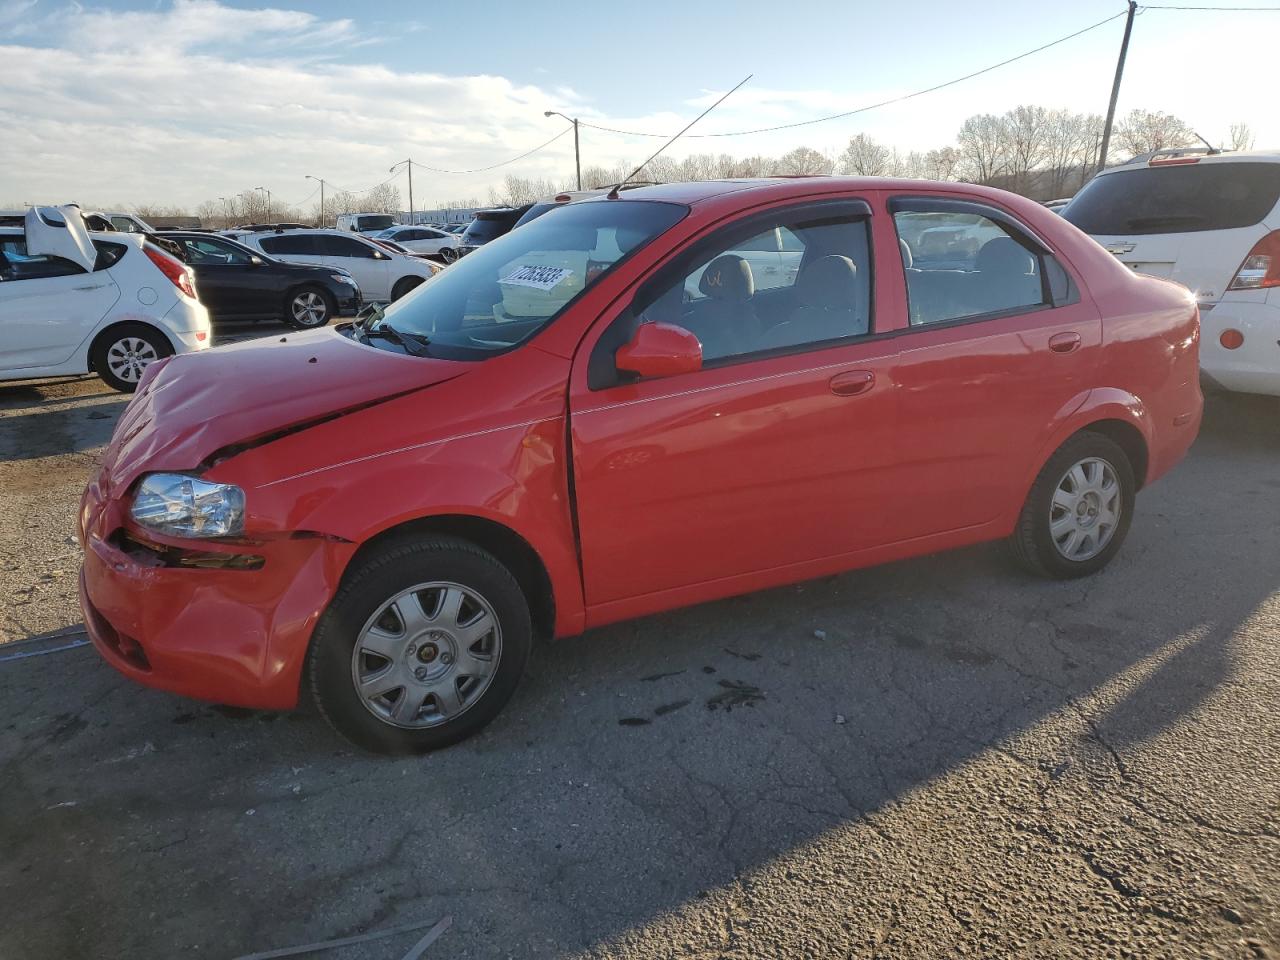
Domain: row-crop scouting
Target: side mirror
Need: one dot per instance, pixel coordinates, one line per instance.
(660, 350)
(379, 255)
(255, 261)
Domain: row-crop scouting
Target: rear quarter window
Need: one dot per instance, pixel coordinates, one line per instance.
(1186, 198)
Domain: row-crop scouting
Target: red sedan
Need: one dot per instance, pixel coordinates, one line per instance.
(630, 404)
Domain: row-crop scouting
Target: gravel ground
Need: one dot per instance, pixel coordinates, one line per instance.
(935, 758)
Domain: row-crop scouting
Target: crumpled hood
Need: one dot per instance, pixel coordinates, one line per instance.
(198, 404)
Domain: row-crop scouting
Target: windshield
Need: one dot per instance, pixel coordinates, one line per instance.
(508, 290)
(380, 222)
(1176, 199)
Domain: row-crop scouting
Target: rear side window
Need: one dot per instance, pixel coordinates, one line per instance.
(298, 245)
(109, 254)
(960, 264)
(17, 264)
(1183, 198)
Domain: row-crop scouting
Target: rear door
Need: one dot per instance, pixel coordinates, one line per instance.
(776, 453)
(1188, 219)
(1000, 346)
(227, 281)
(48, 305)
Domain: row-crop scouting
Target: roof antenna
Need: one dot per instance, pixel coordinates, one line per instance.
(613, 194)
(1212, 149)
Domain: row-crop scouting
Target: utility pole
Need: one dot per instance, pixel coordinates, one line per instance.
(577, 153)
(393, 170)
(268, 193)
(1115, 86)
(226, 215)
(307, 176)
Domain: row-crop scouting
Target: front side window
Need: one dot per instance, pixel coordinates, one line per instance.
(802, 278)
(961, 264)
(17, 264)
(332, 246)
(506, 291)
(125, 224)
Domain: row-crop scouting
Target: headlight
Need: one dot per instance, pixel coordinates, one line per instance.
(343, 279)
(184, 506)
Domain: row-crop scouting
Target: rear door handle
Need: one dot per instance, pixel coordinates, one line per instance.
(1064, 342)
(852, 382)
(93, 286)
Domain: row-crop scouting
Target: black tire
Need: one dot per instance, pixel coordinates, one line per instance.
(120, 354)
(1032, 543)
(385, 573)
(403, 286)
(309, 307)
(448, 254)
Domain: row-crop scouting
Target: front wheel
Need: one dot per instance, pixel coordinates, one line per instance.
(308, 308)
(422, 647)
(403, 286)
(123, 353)
(1079, 509)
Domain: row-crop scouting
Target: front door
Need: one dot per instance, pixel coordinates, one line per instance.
(775, 453)
(48, 306)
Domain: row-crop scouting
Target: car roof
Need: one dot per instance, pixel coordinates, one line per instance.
(1188, 155)
(767, 188)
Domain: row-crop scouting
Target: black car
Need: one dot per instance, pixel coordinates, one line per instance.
(489, 225)
(237, 283)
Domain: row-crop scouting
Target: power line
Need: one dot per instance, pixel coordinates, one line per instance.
(1160, 6)
(495, 166)
(873, 106)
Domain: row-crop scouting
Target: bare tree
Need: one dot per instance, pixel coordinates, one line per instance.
(1142, 131)
(805, 162)
(864, 157)
(941, 164)
(384, 198)
(983, 148)
(1027, 130)
(1241, 137)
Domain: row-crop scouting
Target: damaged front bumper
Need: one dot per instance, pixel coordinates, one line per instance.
(217, 621)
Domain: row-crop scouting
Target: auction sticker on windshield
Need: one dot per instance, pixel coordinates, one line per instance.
(540, 278)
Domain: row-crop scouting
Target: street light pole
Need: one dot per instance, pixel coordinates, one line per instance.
(393, 170)
(307, 176)
(226, 215)
(1115, 87)
(577, 153)
(268, 193)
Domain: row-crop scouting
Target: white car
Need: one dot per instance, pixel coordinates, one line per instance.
(382, 274)
(1212, 223)
(368, 224)
(424, 240)
(74, 302)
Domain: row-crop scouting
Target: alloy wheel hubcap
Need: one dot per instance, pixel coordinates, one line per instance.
(1085, 509)
(309, 309)
(426, 655)
(129, 356)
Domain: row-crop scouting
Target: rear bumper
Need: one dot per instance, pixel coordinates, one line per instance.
(227, 636)
(188, 327)
(1254, 366)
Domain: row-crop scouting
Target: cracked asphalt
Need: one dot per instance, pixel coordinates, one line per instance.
(936, 758)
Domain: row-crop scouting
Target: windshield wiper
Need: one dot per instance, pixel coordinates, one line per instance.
(415, 343)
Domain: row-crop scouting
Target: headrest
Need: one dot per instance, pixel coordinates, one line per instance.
(728, 277)
(907, 258)
(628, 238)
(831, 282)
(1005, 255)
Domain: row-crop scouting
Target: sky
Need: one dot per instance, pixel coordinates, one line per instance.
(119, 104)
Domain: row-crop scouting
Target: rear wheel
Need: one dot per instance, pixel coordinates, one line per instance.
(1079, 509)
(422, 646)
(122, 354)
(403, 286)
(308, 308)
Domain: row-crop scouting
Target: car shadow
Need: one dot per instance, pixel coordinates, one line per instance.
(640, 766)
(50, 426)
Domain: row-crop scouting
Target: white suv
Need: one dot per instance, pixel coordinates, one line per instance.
(381, 274)
(74, 302)
(1212, 223)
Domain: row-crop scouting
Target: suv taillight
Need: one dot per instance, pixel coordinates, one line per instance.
(1261, 268)
(172, 268)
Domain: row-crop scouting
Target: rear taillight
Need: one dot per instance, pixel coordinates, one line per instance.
(172, 268)
(1261, 268)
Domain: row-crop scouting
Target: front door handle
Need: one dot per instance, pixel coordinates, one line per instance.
(1064, 342)
(852, 382)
